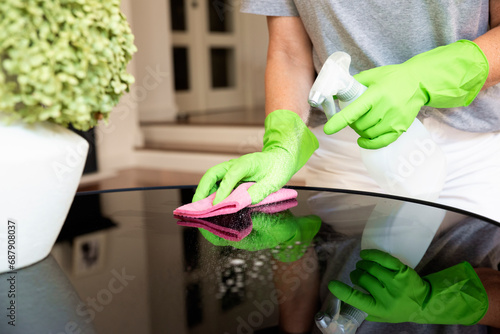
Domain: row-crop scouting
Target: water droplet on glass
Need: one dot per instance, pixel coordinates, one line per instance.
(237, 262)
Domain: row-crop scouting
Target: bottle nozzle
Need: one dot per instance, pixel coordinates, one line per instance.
(316, 99)
(334, 77)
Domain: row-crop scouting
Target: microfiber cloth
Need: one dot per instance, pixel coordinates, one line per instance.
(275, 207)
(236, 226)
(232, 227)
(236, 201)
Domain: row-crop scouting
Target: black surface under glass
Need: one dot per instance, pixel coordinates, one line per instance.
(123, 264)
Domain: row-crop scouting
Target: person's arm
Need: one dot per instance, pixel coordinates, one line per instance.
(490, 44)
(288, 143)
(290, 69)
(491, 282)
(297, 287)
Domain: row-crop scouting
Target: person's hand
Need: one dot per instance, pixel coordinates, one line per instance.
(398, 294)
(292, 234)
(288, 144)
(444, 77)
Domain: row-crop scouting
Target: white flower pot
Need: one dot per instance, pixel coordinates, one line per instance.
(40, 169)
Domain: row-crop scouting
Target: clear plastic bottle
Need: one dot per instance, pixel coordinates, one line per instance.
(412, 166)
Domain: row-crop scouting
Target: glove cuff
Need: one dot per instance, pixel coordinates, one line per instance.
(285, 129)
(457, 296)
(462, 68)
(479, 63)
(295, 247)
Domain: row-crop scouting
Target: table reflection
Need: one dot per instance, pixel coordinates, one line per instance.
(41, 299)
(147, 274)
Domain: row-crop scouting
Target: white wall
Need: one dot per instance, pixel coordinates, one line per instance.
(152, 97)
(117, 140)
(153, 89)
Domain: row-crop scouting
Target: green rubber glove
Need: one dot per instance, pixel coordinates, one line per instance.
(288, 144)
(445, 77)
(292, 234)
(398, 294)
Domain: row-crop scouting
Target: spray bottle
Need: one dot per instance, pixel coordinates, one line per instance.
(412, 166)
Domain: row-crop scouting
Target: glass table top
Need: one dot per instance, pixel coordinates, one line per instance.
(124, 264)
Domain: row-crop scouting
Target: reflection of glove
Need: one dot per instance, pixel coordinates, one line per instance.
(445, 77)
(292, 234)
(288, 144)
(235, 226)
(398, 294)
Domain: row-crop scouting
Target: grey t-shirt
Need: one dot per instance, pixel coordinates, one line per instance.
(377, 33)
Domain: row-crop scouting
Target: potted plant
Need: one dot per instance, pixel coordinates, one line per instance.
(62, 63)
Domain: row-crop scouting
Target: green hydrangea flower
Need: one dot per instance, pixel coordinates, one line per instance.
(63, 61)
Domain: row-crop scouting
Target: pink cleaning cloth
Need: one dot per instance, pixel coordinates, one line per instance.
(276, 207)
(236, 226)
(230, 227)
(236, 201)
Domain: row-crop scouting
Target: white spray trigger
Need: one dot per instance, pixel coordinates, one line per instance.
(342, 59)
(333, 77)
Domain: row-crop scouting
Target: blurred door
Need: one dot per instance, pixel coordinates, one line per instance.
(207, 55)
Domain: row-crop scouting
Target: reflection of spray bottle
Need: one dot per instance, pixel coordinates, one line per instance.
(412, 166)
(337, 319)
(403, 229)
